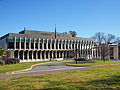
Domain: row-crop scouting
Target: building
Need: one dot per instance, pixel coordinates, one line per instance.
(110, 51)
(29, 45)
(114, 51)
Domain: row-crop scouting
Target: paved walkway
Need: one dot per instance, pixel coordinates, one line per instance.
(49, 68)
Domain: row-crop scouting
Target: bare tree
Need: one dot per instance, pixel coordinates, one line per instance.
(99, 37)
(104, 51)
(109, 38)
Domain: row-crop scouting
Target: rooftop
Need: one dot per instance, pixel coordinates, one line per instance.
(43, 34)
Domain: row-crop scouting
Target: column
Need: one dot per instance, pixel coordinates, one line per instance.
(12, 54)
(50, 45)
(62, 54)
(28, 55)
(52, 54)
(79, 50)
(25, 44)
(65, 45)
(92, 46)
(61, 45)
(55, 44)
(18, 54)
(118, 51)
(15, 43)
(58, 45)
(23, 55)
(47, 44)
(44, 54)
(48, 54)
(68, 45)
(58, 54)
(34, 43)
(32, 54)
(30, 44)
(71, 45)
(83, 50)
(86, 50)
(43, 44)
(39, 44)
(65, 54)
(36, 55)
(40, 54)
(55, 54)
(20, 43)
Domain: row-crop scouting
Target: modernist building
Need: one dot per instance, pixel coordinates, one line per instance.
(29, 45)
(112, 52)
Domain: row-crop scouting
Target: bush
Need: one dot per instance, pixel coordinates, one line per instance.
(2, 62)
(89, 61)
(12, 61)
(80, 59)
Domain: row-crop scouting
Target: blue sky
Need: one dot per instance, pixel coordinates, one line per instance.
(86, 17)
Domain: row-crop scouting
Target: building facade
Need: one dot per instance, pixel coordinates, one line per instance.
(29, 45)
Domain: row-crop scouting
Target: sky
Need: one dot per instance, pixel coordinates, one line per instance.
(86, 17)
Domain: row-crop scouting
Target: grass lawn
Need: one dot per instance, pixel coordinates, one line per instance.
(23, 65)
(93, 63)
(104, 78)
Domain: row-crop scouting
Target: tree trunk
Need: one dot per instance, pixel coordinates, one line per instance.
(76, 61)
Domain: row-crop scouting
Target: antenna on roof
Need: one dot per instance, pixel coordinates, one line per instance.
(55, 31)
(24, 28)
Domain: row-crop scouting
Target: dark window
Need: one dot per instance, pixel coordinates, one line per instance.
(44, 45)
(10, 45)
(48, 45)
(32, 45)
(27, 45)
(56, 46)
(17, 45)
(52, 45)
(40, 45)
(36, 45)
(59, 46)
(22, 45)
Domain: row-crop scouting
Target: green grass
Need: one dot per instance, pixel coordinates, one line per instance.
(104, 78)
(93, 63)
(21, 66)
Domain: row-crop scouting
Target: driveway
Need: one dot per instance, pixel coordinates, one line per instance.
(49, 66)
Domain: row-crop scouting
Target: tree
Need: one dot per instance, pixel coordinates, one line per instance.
(65, 32)
(73, 33)
(104, 51)
(109, 38)
(3, 52)
(99, 37)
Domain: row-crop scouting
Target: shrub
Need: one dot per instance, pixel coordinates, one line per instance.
(12, 61)
(89, 61)
(80, 59)
(2, 62)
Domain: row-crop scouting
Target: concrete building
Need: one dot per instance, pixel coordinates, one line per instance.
(112, 52)
(29, 45)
